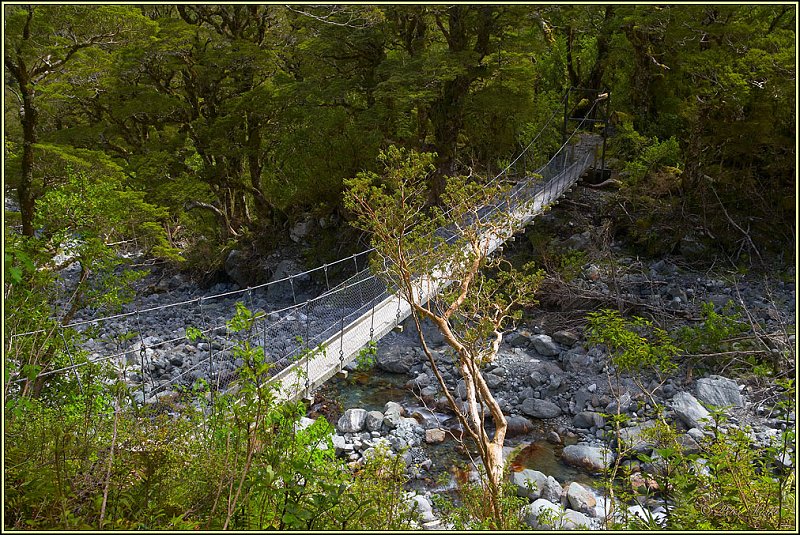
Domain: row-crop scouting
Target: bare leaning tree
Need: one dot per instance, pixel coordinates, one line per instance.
(422, 249)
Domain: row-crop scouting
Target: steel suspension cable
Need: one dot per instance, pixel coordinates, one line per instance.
(360, 283)
(270, 283)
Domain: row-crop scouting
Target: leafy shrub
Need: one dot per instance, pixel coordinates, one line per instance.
(366, 357)
(716, 328)
(245, 461)
(468, 508)
(722, 341)
(634, 345)
(571, 264)
(653, 156)
(730, 484)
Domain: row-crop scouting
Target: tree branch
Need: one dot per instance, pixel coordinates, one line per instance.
(776, 20)
(326, 18)
(740, 229)
(223, 219)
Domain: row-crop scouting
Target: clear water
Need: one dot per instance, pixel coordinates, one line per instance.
(546, 458)
(371, 390)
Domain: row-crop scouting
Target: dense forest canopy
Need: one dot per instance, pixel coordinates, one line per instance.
(184, 132)
(175, 135)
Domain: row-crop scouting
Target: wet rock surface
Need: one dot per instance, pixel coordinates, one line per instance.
(551, 383)
(547, 374)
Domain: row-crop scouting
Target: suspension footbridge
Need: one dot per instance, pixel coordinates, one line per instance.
(385, 309)
(306, 342)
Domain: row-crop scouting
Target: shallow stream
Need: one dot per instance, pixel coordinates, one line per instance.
(371, 390)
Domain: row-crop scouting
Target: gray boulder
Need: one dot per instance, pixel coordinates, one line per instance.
(624, 404)
(581, 499)
(696, 433)
(592, 272)
(392, 415)
(434, 436)
(352, 421)
(283, 291)
(421, 381)
(461, 390)
(719, 301)
(588, 419)
(540, 408)
(579, 360)
(719, 391)
(552, 490)
(517, 339)
(493, 381)
(429, 392)
(688, 444)
(544, 345)
(633, 438)
(529, 483)
(374, 420)
(546, 368)
(566, 338)
(575, 520)
(537, 379)
(689, 410)
(534, 485)
(341, 446)
(518, 425)
(396, 359)
(590, 458)
(581, 398)
(423, 507)
(238, 267)
(543, 514)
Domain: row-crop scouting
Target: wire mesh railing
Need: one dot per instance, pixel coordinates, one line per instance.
(168, 359)
(516, 168)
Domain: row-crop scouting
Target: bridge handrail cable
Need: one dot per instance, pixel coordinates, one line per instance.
(274, 282)
(340, 288)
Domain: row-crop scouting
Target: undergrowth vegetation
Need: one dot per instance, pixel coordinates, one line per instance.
(724, 480)
(93, 459)
(468, 508)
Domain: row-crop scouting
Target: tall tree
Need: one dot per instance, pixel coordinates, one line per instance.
(484, 295)
(468, 32)
(439, 58)
(40, 43)
(588, 31)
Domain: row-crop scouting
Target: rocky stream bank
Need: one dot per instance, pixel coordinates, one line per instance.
(554, 387)
(555, 391)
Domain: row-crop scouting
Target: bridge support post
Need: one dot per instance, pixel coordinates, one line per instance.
(597, 97)
(605, 135)
(566, 116)
(397, 327)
